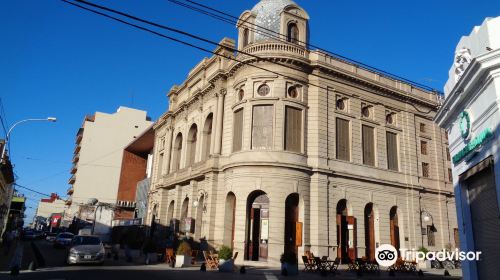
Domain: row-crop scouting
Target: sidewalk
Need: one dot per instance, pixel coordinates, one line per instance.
(15, 254)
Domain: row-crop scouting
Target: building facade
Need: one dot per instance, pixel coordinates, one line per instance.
(6, 190)
(136, 169)
(471, 116)
(98, 157)
(284, 149)
(48, 206)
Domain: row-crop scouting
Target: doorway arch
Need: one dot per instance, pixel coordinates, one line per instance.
(184, 209)
(170, 212)
(291, 219)
(257, 233)
(394, 228)
(369, 218)
(200, 209)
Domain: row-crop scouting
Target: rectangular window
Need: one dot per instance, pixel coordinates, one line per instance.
(293, 129)
(262, 127)
(450, 175)
(238, 130)
(423, 147)
(392, 151)
(422, 127)
(343, 147)
(431, 240)
(425, 170)
(448, 157)
(368, 145)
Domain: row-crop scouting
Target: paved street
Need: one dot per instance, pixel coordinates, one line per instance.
(56, 269)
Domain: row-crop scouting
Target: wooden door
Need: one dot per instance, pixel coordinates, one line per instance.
(264, 234)
(352, 232)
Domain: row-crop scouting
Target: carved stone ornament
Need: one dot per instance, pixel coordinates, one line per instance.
(463, 58)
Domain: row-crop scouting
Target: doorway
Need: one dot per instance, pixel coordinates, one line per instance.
(257, 235)
(291, 219)
(394, 228)
(369, 232)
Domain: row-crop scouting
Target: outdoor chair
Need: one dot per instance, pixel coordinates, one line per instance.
(320, 265)
(309, 266)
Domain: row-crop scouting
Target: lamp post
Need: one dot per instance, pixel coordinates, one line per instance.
(7, 137)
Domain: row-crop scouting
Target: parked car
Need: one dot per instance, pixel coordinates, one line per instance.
(63, 239)
(51, 237)
(86, 249)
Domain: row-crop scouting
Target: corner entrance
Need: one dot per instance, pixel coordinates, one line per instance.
(257, 235)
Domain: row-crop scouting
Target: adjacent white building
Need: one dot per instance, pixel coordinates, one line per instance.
(98, 156)
(471, 116)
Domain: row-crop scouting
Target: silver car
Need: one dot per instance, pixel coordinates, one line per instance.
(86, 249)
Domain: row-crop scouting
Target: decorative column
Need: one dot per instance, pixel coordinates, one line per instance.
(218, 127)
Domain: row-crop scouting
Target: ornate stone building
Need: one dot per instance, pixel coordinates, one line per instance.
(281, 148)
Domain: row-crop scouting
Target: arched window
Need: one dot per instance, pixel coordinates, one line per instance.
(177, 152)
(207, 137)
(246, 37)
(192, 140)
(293, 33)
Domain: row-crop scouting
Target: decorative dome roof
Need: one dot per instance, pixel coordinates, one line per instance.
(268, 16)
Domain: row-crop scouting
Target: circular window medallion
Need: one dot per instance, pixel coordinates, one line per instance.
(341, 104)
(389, 119)
(293, 92)
(263, 90)
(241, 94)
(365, 112)
(465, 124)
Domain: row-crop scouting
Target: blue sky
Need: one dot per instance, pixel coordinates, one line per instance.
(57, 60)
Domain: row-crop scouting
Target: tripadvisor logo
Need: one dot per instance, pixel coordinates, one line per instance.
(386, 255)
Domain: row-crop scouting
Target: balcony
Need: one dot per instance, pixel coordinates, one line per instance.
(70, 191)
(74, 169)
(76, 158)
(72, 180)
(276, 48)
(79, 136)
(77, 149)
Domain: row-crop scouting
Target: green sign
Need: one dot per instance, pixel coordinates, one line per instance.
(473, 145)
(465, 124)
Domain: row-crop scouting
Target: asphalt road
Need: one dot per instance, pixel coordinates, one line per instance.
(56, 269)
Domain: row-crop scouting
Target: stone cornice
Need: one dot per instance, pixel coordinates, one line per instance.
(480, 72)
(354, 80)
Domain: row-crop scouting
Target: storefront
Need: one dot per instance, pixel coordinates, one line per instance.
(471, 116)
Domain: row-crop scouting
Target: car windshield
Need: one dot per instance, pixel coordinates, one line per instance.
(86, 240)
(65, 235)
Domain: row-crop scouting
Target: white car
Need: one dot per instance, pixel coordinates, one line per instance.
(86, 249)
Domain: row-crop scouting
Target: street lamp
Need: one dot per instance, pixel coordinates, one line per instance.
(49, 119)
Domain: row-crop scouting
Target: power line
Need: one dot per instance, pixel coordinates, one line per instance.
(31, 190)
(231, 19)
(181, 41)
(207, 41)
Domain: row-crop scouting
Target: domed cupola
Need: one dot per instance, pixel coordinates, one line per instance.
(273, 20)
